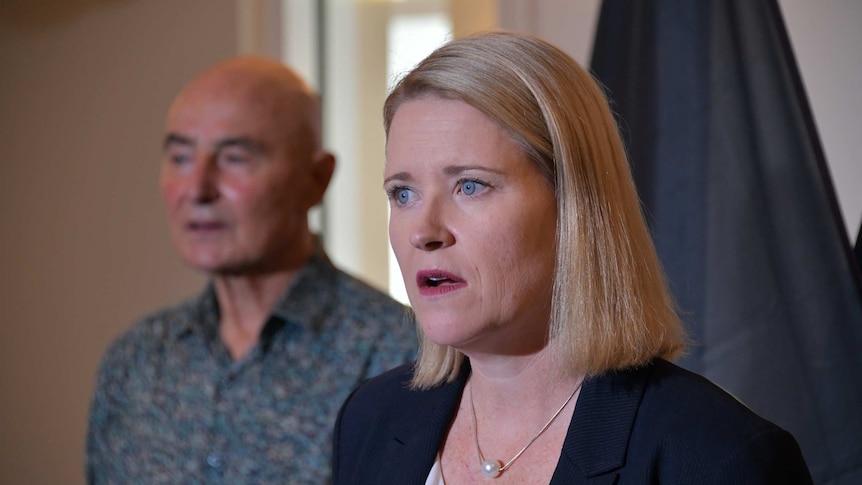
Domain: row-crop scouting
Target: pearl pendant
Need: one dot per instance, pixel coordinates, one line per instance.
(491, 468)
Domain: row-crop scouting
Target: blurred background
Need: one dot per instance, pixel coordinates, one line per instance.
(84, 87)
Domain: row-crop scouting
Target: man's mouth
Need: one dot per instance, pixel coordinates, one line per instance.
(205, 225)
(205, 229)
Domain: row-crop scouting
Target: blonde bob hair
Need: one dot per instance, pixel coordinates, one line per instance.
(610, 306)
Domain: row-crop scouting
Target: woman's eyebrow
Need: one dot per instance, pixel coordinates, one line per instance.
(457, 169)
(400, 176)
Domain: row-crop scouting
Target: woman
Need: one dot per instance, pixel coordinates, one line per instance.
(545, 321)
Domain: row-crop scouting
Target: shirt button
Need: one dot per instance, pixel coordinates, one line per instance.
(214, 460)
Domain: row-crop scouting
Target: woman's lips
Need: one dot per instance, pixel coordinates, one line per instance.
(434, 282)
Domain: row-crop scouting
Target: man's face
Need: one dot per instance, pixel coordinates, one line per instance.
(237, 183)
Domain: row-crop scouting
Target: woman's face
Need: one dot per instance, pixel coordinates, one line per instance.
(473, 228)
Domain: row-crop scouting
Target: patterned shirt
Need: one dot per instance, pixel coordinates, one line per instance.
(171, 406)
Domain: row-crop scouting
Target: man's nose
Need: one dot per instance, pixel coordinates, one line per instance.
(203, 180)
(430, 230)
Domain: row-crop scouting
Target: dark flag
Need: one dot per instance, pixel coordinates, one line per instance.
(859, 248)
(739, 200)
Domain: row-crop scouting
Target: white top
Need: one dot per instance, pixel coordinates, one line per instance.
(435, 476)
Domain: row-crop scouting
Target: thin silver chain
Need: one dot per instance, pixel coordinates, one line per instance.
(517, 455)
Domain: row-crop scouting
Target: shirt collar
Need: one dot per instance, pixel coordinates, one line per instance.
(310, 294)
(199, 314)
(303, 303)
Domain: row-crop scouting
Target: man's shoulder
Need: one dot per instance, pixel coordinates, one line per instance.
(153, 329)
(366, 302)
(387, 326)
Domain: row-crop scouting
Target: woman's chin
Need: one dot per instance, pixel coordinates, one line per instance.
(450, 333)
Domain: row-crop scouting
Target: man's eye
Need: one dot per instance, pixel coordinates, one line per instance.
(179, 158)
(234, 158)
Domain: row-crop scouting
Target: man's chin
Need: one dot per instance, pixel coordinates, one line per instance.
(211, 264)
(226, 269)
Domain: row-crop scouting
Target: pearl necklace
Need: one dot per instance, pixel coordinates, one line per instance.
(494, 468)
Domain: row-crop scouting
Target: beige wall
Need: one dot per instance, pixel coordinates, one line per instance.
(84, 85)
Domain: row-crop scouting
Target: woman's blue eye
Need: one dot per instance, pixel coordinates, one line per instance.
(471, 187)
(468, 187)
(402, 195)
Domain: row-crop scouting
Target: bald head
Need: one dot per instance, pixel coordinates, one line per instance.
(242, 166)
(263, 86)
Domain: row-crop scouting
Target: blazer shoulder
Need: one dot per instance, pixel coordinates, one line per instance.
(709, 429)
(371, 404)
(373, 395)
(685, 397)
(388, 432)
(363, 420)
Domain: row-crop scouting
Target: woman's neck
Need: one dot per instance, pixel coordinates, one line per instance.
(521, 385)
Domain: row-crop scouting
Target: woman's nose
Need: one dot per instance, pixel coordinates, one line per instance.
(431, 231)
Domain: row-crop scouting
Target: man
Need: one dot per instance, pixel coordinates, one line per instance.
(242, 383)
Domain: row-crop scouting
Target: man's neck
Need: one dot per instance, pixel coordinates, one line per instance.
(245, 303)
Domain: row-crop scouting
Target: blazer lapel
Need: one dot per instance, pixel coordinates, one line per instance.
(598, 436)
(593, 452)
(419, 429)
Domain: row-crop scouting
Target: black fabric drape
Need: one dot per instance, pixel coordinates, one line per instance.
(735, 188)
(859, 249)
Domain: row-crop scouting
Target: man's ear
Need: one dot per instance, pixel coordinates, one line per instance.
(322, 169)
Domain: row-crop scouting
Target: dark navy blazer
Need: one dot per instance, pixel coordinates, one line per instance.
(657, 424)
